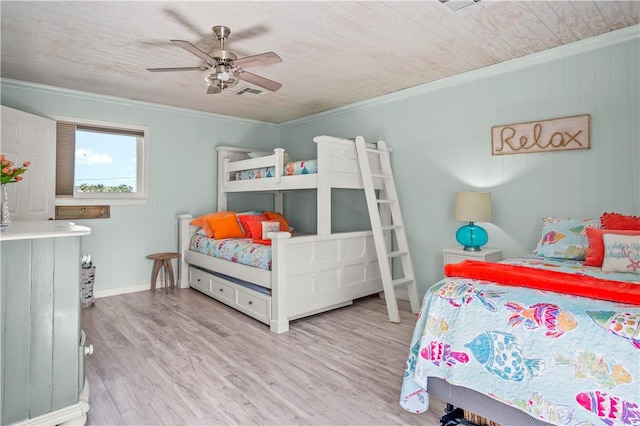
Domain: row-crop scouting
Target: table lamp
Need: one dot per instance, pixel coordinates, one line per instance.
(472, 207)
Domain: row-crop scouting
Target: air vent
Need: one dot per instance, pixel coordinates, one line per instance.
(249, 91)
(456, 5)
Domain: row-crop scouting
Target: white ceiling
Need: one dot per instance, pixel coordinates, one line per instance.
(334, 53)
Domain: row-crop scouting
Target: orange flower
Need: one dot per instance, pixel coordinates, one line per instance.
(9, 173)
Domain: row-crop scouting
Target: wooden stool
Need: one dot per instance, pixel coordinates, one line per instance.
(163, 260)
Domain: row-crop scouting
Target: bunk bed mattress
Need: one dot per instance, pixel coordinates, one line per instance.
(239, 250)
(564, 359)
(304, 167)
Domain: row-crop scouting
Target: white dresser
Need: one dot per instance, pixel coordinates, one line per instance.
(43, 377)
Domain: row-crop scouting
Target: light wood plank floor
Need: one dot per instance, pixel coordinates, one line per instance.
(183, 358)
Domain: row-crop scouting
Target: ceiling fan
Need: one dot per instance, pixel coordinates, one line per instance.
(222, 68)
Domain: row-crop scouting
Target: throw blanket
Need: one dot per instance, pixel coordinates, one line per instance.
(541, 279)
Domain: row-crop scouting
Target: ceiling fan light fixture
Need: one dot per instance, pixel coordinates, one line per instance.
(221, 77)
(222, 72)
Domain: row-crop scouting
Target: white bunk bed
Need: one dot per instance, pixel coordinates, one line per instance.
(309, 273)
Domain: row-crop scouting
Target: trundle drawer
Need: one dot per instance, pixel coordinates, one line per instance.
(256, 305)
(222, 291)
(199, 280)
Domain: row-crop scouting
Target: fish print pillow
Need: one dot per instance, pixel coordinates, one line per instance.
(566, 238)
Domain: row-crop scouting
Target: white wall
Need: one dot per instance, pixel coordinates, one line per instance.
(441, 135)
(182, 174)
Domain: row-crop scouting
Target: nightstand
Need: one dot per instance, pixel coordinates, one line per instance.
(458, 254)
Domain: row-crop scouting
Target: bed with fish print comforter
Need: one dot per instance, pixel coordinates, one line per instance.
(562, 358)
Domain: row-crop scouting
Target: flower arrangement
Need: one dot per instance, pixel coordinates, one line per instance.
(10, 173)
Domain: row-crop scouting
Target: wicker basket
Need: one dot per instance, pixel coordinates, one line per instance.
(477, 420)
(88, 278)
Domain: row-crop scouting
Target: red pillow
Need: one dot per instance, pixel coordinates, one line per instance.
(595, 252)
(620, 222)
(245, 219)
(256, 230)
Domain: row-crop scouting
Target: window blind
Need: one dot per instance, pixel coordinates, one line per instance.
(65, 157)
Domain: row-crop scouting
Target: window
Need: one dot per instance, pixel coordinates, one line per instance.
(100, 162)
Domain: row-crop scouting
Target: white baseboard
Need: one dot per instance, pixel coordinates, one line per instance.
(400, 294)
(123, 290)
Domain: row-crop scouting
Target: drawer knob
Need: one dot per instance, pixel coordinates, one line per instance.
(221, 290)
(250, 302)
(88, 350)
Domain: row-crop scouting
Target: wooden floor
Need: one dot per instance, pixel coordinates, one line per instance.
(183, 358)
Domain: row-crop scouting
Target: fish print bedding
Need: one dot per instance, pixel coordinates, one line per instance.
(562, 358)
(304, 167)
(239, 250)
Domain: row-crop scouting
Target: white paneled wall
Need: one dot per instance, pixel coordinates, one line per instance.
(441, 135)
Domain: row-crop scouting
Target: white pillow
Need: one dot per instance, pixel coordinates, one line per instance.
(621, 253)
(269, 226)
(258, 154)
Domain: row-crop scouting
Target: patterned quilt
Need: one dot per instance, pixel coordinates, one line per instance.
(304, 167)
(566, 360)
(239, 250)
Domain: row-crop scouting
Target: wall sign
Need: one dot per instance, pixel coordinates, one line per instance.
(558, 134)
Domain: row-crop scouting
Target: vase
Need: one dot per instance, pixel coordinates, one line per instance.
(5, 219)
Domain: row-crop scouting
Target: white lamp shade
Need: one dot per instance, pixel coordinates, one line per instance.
(473, 207)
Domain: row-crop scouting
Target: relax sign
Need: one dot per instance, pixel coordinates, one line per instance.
(558, 134)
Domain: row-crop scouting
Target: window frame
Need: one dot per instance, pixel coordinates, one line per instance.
(114, 198)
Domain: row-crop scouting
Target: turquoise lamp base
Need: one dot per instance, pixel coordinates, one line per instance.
(472, 237)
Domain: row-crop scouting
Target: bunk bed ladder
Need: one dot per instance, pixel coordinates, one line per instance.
(387, 208)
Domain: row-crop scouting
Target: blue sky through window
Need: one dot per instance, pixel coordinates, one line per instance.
(107, 159)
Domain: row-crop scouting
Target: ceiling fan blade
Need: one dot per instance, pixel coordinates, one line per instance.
(177, 69)
(213, 90)
(257, 60)
(259, 81)
(195, 51)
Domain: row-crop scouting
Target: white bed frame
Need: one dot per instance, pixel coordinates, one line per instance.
(310, 273)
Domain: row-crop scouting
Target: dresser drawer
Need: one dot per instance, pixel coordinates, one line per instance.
(199, 280)
(457, 255)
(254, 304)
(453, 258)
(223, 291)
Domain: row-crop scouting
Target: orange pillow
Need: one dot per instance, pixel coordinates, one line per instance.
(245, 219)
(284, 223)
(595, 252)
(203, 223)
(620, 222)
(225, 227)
